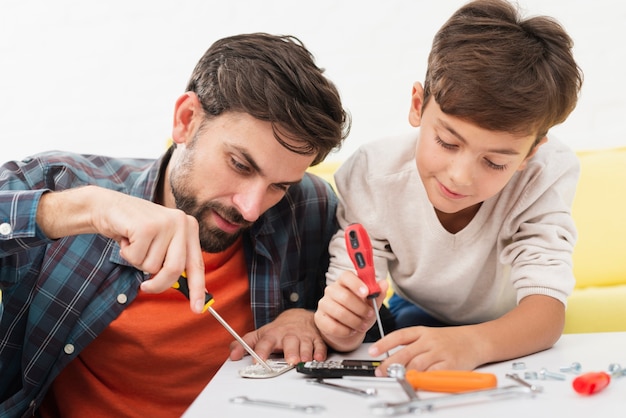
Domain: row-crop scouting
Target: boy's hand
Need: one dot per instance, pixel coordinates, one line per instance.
(345, 313)
(534, 325)
(428, 348)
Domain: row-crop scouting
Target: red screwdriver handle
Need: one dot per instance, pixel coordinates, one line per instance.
(590, 383)
(360, 251)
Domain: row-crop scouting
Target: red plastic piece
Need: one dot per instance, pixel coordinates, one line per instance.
(590, 383)
(360, 250)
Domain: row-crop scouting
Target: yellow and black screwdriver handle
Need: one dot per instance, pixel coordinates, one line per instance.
(182, 286)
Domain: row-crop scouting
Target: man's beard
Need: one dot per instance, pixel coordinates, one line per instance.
(212, 239)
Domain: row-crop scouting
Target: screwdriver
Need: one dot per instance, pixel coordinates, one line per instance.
(182, 286)
(360, 251)
(450, 381)
(592, 382)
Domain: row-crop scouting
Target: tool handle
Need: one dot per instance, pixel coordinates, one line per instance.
(450, 381)
(183, 287)
(360, 251)
(592, 382)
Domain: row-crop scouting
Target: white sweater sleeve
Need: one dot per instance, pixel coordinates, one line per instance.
(519, 243)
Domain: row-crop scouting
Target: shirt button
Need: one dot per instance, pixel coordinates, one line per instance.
(69, 348)
(5, 229)
(294, 297)
(122, 298)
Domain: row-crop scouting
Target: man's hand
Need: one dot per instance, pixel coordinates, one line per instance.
(293, 332)
(161, 241)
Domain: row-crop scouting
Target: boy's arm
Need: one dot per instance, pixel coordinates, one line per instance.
(534, 325)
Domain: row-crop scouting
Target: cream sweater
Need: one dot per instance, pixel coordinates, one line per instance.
(519, 243)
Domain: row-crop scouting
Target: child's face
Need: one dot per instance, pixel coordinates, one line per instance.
(461, 164)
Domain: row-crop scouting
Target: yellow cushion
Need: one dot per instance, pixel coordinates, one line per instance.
(596, 309)
(599, 211)
(326, 170)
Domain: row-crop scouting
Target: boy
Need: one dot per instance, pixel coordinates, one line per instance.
(478, 240)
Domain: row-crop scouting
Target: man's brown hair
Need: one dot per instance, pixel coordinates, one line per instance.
(273, 78)
(501, 72)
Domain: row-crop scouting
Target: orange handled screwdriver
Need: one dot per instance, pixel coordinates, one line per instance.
(360, 251)
(183, 287)
(450, 381)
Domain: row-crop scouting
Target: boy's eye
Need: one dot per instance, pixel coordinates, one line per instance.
(495, 166)
(444, 144)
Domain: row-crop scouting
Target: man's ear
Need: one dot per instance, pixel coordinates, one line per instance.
(532, 152)
(187, 116)
(417, 100)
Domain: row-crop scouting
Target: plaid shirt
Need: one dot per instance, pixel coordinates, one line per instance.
(59, 295)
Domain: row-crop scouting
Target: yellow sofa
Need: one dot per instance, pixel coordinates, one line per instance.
(598, 302)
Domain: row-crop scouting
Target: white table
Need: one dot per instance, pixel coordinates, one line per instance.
(594, 351)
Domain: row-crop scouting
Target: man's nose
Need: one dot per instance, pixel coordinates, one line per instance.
(249, 202)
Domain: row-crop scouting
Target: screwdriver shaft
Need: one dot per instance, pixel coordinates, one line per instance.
(379, 321)
(239, 339)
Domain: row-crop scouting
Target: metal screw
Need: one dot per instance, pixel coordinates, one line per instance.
(530, 375)
(575, 368)
(545, 374)
(519, 365)
(616, 370)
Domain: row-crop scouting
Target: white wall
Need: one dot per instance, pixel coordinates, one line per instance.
(102, 76)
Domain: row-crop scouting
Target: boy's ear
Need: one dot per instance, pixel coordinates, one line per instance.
(187, 112)
(532, 152)
(417, 100)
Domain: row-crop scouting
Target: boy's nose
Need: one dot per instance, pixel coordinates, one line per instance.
(461, 171)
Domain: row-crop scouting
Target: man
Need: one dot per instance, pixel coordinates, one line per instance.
(229, 204)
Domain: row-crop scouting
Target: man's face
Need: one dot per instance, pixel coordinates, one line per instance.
(461, 164)
(231, 171)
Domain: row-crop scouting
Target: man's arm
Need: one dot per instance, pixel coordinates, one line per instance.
(155, 239)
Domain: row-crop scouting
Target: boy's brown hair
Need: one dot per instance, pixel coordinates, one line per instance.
(501, 72)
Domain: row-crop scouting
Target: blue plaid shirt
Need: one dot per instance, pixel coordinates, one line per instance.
(59, 295)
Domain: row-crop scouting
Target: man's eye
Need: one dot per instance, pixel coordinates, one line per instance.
(280, 187)
(239, 166)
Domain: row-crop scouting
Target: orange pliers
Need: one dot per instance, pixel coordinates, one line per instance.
(450, 381)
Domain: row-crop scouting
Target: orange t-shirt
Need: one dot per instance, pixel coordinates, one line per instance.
(156, 358)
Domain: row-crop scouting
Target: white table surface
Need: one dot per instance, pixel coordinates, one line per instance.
(594, 351)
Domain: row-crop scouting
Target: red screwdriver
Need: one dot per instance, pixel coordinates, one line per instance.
(360, 251)
(592, 382)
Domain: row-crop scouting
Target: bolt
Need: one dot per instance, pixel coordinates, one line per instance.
(545, 374)
(616, 370)
(519, 365)
(530, 375)
(575, 368)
